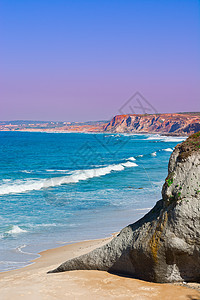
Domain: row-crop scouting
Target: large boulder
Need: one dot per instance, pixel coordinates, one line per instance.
(163, 246)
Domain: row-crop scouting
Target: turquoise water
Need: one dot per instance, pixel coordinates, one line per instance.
(57, 188)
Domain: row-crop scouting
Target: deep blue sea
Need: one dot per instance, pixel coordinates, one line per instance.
(57, 188)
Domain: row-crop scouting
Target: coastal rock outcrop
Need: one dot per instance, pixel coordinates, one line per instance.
(164, 245)
(174, 124)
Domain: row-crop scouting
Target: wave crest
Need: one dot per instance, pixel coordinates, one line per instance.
(75, 177)
(154, 154)
(15, 230)
(168, 150)
(163, 138)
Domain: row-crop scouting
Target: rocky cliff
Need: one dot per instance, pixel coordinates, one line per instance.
(163, 246)
(174, 124)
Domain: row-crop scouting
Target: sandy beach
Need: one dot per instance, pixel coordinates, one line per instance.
(33, 282)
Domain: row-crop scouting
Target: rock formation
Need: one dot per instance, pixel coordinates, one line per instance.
(173, 124)
(163, 246)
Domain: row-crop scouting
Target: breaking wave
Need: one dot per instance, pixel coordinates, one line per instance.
(15, 230)
(76, 176)
(168, 150)
(131, 158)
(166, 138)
(129, 164)
(153, 154)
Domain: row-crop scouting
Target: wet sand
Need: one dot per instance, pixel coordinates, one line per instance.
(33, 282)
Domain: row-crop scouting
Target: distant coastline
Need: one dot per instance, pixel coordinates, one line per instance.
(175, 124)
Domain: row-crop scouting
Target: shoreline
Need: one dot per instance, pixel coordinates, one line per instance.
(56, 245)
(126, 217)
(99, 132)
(33, 282)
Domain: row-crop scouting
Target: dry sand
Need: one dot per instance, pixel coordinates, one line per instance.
(32, 282)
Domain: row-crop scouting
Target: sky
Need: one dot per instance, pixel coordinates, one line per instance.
(82, 60)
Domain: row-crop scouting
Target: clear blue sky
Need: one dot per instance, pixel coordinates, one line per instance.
(81, 60)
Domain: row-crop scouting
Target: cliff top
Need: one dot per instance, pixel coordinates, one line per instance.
(172, 115)
(192, 144)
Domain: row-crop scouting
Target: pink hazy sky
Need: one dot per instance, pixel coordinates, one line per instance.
(80, 60)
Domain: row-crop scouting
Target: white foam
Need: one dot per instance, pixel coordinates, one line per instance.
(168, 150)
(174, 139)
(153, 154)
(76, 176)
(154, 137)
(141, 155)
(19, 249)
(129, 164)
(60, 171)
(166, 138)
(15, 230)
(131, 158)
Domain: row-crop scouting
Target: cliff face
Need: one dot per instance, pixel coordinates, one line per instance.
(183, 179)
(163, 246)
(177, 124)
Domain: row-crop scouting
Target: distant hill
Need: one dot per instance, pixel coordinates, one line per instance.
(173, 124)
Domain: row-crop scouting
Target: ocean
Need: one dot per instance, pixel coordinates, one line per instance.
(58, 188)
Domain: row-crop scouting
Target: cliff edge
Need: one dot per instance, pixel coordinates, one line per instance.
(163, 246)
(173, 124)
